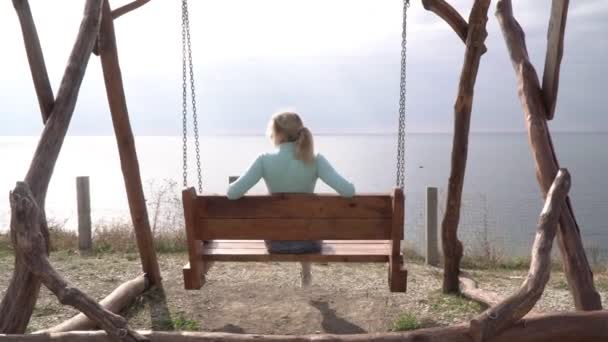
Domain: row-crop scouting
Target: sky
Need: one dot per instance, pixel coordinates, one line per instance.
(336, 62)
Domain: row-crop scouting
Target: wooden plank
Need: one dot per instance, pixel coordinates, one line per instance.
(126, 146)
(259, 244)
(295, 206)
(555, 50)
(330, 252)
(295, 229)
(193, 272)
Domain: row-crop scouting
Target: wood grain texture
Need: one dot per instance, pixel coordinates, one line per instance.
(576, 265)
(503, 315)
(295, 206)
(563, 327)
(475, 48)
(294, 229)
(20, 297)
(126, 146)
(116, 301)
(29, 242)
(555, 51)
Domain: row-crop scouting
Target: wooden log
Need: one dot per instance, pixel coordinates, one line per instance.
(116, 301)
(128, 8)
(20, 297)
(26, 220)
(475, 48)
(555, 50)
(576, 266)
(126, 146)
(563, 327)
(499, 317)
(83, 199)
(470, 290)
(35, 58)
(451, 16)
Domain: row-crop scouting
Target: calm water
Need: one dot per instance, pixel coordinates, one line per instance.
(501, 200)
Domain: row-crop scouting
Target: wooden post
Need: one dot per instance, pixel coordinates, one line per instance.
(126, 146)
(432, 250)
(84, 214)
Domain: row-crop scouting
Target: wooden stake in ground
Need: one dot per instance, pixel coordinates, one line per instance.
(126, 146)
(498, 318)
(576, 266)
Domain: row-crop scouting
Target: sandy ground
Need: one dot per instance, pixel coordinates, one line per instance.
(267, 298)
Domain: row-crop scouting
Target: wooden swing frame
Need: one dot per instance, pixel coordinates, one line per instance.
(504, 321)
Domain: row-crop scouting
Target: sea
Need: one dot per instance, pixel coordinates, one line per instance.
(501, 197)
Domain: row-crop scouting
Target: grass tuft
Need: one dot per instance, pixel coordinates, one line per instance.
(405, 322)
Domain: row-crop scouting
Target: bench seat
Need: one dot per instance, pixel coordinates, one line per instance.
(331, 251)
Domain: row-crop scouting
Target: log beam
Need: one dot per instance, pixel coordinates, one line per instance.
(499, 317)
(576, 266)
(562, 326)
(451, 16)
(20, 298)
(470, 290)
(35, 58)
(475, 48)
(126, 146)
(116, 301)
(555, 50)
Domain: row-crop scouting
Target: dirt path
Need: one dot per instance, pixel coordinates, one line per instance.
(266, 298)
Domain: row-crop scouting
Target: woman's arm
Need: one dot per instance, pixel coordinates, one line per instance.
(245, 182)
(333, 179)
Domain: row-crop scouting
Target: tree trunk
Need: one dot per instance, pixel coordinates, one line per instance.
(475, 48)
(20, 298)
(576, 266)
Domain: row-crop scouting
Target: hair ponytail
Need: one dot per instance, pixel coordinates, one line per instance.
(304, 145)
(290, 128)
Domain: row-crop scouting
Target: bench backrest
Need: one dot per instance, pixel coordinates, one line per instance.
(294, 217)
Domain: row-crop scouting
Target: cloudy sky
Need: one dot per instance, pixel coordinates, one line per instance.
(335, 61)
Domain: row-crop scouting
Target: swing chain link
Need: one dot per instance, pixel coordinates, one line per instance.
(184, 98)
(187, 49)
(400, 179)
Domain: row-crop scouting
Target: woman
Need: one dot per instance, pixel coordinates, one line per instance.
(294, 167)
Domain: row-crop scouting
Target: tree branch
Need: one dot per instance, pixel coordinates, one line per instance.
(128, 8)
(555, 50)
(499, 317)
(35, 58)
(451, 16)
(576, 266)
(475, 48)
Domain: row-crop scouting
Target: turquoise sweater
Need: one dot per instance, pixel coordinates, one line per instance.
(283, 173)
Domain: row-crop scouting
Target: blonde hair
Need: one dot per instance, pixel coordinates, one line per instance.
(290, 127)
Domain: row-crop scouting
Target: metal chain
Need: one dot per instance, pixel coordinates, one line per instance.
(186, 45)
(400, 178)
(184, 98)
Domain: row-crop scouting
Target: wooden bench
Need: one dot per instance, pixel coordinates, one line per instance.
(365, 228)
